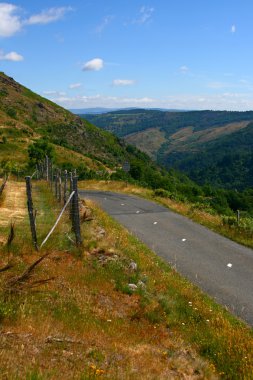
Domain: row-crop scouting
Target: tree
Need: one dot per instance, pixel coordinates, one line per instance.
(39, 150)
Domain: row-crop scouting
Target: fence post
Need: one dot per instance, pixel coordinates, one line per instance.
(59, 189)
(30, 211)
(70, 191)
(75, 214)
(52, 175)
(65, 186)
(56, 185)
(238, 217)
(47, 168)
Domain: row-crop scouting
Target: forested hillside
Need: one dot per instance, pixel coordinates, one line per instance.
(210, 146)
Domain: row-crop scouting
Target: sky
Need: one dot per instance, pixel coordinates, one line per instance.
(184, 54)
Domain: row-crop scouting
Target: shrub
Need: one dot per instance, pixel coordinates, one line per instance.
(162, 193)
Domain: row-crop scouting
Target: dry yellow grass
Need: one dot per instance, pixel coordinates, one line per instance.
(13, 207)
(86, 323)
(81, 325)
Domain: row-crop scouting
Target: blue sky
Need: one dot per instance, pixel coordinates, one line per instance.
(129, 53)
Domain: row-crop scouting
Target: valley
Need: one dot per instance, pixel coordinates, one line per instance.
(84, 308)
(190, 141)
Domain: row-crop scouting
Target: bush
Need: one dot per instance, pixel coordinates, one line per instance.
(11, 112)
(162, 193)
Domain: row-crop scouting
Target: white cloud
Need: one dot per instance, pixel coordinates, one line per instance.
(53, 93)
(95, 64)
(102, 101)
(225, 101)
(106, 21)
(184, 69)
(12, 56)
(47, 16)
(10, 22)
(233, 29)
(75, 85)
(123, 82)
(145, 15)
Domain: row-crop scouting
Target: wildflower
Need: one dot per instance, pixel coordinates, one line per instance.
(100, 372)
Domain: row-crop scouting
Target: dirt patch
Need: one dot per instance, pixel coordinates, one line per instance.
(13, 207)
(149, 141)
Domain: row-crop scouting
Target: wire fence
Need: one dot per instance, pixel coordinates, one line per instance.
(64, 186)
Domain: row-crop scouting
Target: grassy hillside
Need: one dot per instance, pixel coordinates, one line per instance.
(76, 317)
(200, 143)
(26, 116)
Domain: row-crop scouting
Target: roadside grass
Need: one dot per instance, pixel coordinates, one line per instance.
(215, 333)
(89, 323)
(212, 221)
(86, 322)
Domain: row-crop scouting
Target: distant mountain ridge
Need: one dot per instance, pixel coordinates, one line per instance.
(101, 110)
(200, 143)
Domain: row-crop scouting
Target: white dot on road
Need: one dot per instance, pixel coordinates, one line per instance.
(183, 239)
(229, 265)
(122, 204)
(155, 223)
(137, 212)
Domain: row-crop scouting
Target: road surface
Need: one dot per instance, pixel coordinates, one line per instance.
(221, 268)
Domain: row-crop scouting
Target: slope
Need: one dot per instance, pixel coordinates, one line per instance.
(26, 116)
(183, 139)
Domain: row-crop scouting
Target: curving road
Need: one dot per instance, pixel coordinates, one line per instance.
(220, 267)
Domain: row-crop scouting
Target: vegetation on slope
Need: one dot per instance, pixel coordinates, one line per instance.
(87, 322)
(213, 147)
(26, 116)
(228, 160)
(27, 119)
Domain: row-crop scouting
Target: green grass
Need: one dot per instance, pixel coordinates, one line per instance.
(217, 335)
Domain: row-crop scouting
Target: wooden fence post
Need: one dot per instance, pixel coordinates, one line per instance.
(70, 191)
(30, 212)
(65, 186)
(238, 217)
(47, 168)
(56, 185)
(51, 175)
(60, 189)
(75, 215)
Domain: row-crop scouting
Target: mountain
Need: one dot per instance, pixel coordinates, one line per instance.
(26, 117)
(99, 110)
(95, 110)
(210, 146)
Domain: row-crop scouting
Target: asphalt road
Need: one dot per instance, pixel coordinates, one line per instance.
(221, 268)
